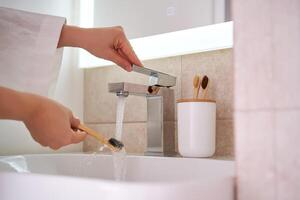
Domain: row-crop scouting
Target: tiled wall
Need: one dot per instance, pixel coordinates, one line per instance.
(267, 99)
(100, 106)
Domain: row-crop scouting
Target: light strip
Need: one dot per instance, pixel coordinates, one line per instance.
(206, 38)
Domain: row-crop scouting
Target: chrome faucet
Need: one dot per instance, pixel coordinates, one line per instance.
(160, 108)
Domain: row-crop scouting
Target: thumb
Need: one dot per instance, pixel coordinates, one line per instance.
(74, 122)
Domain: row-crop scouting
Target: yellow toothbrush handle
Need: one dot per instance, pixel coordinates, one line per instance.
(96, 135)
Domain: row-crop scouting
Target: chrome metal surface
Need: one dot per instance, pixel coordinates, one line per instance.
(122, 93)
(155, 124)
(130, 88)
(156, 77)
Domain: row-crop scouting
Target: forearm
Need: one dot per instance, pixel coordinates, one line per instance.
(71, 36)
(16, 105)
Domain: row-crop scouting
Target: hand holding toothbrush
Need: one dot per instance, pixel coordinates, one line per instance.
(49, 123)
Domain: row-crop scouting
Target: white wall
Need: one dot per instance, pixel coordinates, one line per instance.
(267, 99)
(15, 139)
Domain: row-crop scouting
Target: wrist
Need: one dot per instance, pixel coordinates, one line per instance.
(29, 103)
(16, 105)
(72, 36)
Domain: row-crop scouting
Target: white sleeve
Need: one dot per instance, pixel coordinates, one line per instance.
(29, 57)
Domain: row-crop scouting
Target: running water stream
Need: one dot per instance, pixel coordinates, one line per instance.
(120, 117)
(119, 158)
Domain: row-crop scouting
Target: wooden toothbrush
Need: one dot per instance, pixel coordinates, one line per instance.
(196, 85)
(113, 144)
(204, 86)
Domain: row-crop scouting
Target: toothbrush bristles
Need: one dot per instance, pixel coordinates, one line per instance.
(204, 82)
(116, 143)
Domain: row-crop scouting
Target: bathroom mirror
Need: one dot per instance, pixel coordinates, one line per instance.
(141, 18)
(160, 28)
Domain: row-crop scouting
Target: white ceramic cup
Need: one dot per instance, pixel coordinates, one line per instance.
(196, 127)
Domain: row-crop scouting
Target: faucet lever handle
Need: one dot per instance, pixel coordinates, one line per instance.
(156, 77)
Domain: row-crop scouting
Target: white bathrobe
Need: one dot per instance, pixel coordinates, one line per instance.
(29, 58)
(29, 61)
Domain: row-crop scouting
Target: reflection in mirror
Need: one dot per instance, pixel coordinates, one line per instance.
(141, 18)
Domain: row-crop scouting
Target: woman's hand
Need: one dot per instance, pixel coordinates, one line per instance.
(108, 43)
(50, 123)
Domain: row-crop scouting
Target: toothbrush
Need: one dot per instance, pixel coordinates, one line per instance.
(199, 86)
(196, 85)
(113, 144)
(204, 86)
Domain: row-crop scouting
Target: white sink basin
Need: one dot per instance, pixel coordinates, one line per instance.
(86, 176)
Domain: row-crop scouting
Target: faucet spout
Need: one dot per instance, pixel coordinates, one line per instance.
(122, 93)
(125, 89)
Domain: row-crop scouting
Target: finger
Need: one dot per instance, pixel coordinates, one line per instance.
(42, 141)
(78, 137)
(74, 122)
(120, 52)
(55, 146)
(119, 60)
(128, 51)
(43, 144)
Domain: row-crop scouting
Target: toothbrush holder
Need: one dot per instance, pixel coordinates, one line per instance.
(196, 127)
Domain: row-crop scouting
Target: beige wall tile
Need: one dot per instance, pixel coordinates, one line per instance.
(254, 84)
(266, 56)
(134, 136)
(217, 65)
(286, 59)
(252, 49)
(288, 154)
(255, 155)
(224, 138)
(90, 144)
(100, 106)
(266, 59)
(287, 84)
